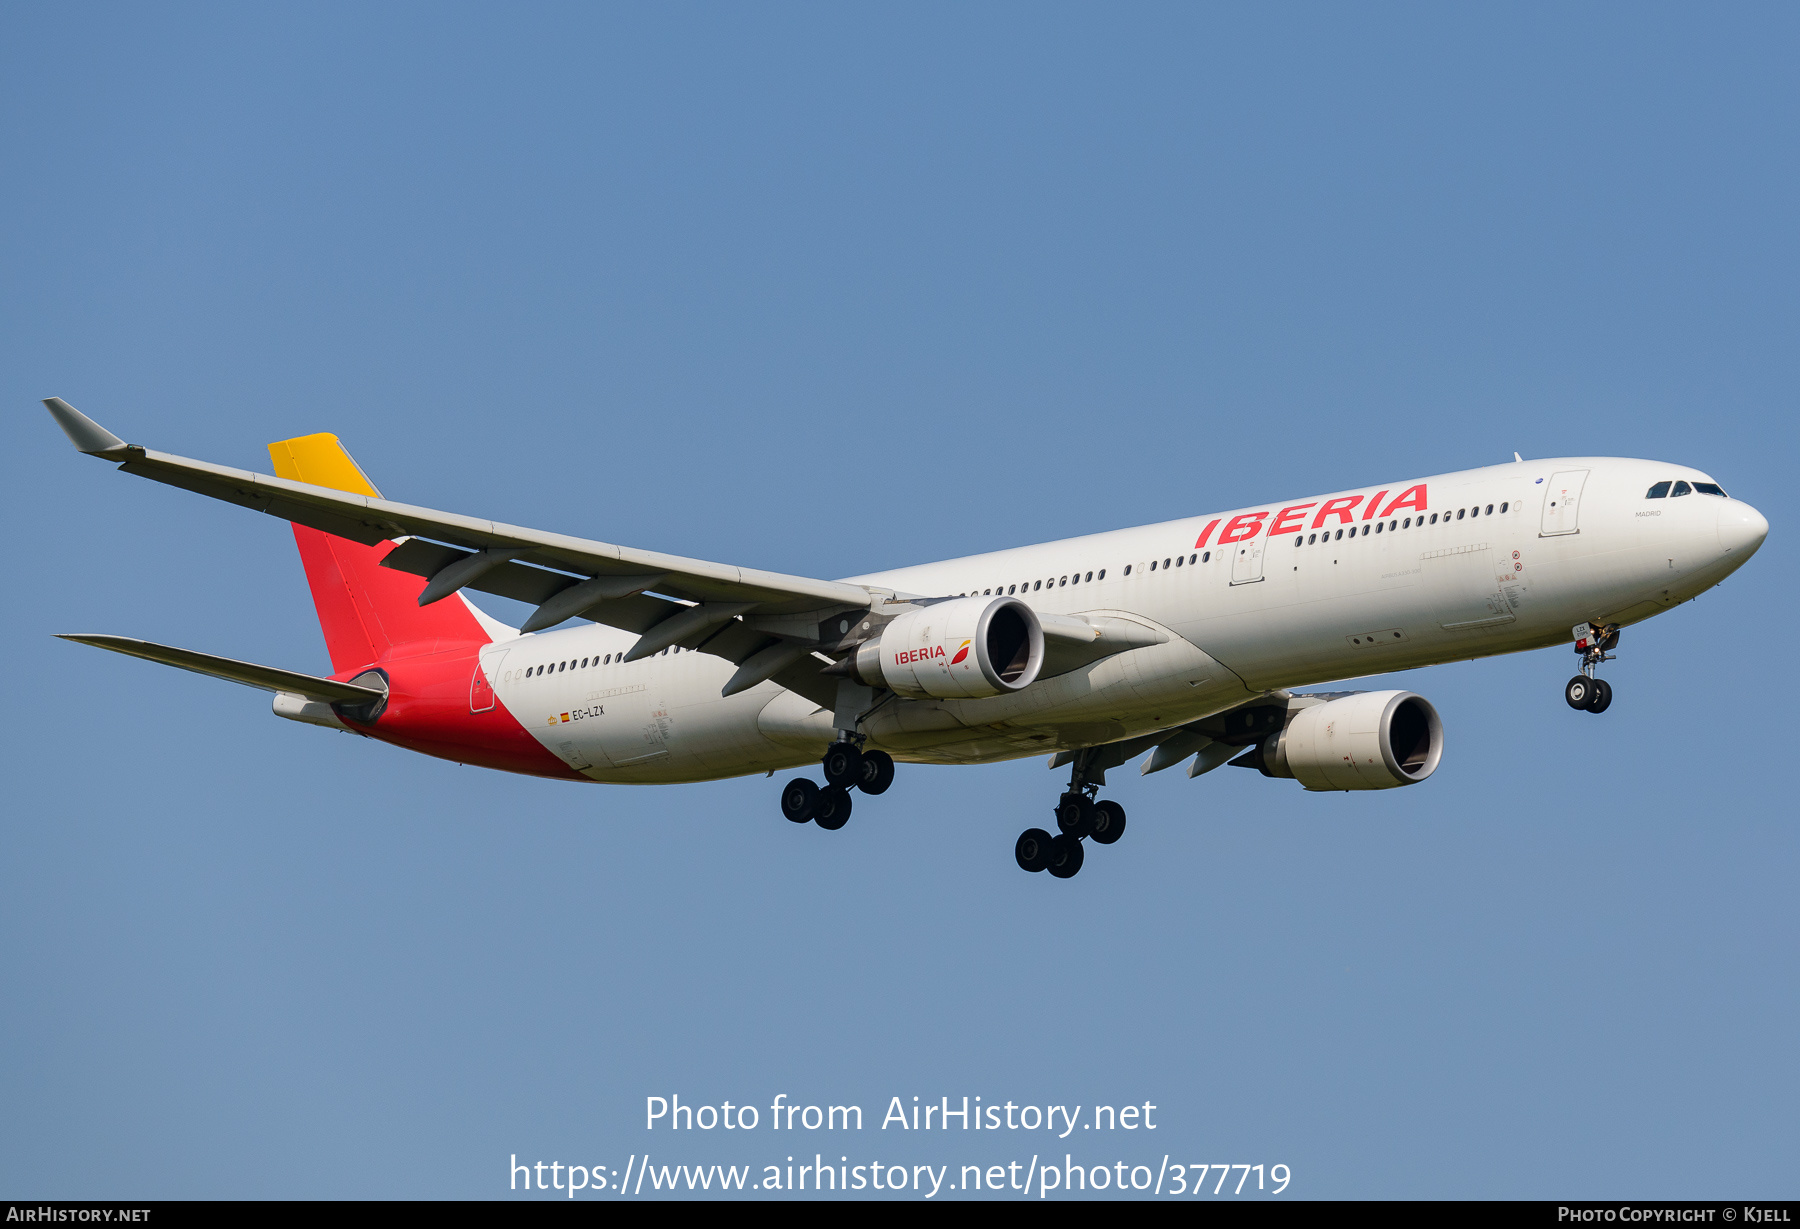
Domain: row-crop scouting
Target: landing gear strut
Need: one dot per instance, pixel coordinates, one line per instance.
(1079, 816)
(847, 767)
(1585, 690)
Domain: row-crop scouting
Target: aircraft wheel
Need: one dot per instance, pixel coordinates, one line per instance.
(843, 764)
(1579, 691)
(1065, 856)
(1601, 700)
(1033, 849)
(1109, 821)
(877, 772)
(833, 808)
(1075, 815)
(799, 798)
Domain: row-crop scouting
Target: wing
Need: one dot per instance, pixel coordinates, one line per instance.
(742, 614)
(269, 678)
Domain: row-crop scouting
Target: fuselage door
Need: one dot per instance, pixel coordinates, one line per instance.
(1562, 503)
(1247, 563)
(481, 683)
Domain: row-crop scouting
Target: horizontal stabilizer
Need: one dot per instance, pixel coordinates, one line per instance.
(328, 691)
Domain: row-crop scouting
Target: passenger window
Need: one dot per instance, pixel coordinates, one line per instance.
(1503, 507)
(1165, 565)
(1064, 581)
(1206, 558)
(1153, 565)
(1377, 527)
(1128, 569)
(1681, 488)
(1102, 573)
(1179, 561)
(1434, 518)
(1407, 523)
(1365, 531)
(1039, 585)
(1710, 488)
(1311, 538)
(1459, 514)
(1490, 509)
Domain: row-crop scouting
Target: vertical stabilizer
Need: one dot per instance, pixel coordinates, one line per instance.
(367, 612)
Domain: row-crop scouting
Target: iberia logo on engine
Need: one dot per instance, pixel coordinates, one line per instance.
(912, 655)
(962, 652)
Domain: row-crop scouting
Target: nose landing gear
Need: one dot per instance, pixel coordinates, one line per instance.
(847, 767)
(1079, 817)
(1585, 691)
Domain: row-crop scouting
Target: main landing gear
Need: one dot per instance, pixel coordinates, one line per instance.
(1585, 690)
(847, 767)
(1079, 816)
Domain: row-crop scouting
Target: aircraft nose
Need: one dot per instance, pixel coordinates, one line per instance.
(1741, 529)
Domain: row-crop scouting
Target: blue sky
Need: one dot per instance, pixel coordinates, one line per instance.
(827, 290)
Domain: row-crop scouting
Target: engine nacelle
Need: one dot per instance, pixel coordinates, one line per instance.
(965, 648)
(1371, 740)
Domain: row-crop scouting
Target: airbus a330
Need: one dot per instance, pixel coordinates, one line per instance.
(1184, 640)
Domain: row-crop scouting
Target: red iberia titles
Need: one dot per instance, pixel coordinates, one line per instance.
(1342, 510)
(907, 658)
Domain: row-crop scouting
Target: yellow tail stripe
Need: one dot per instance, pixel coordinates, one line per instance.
(322, 461)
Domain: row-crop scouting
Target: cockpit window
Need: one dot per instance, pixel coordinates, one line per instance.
(1681, 488)
(1659, 491)
(1710, 488)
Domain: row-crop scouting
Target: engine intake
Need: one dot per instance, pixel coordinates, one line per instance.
(964, 648)
(1371, 740)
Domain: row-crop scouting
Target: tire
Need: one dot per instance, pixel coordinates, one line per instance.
(1032, 852)
(833, 808)
(1602, 697)
(877, 772)
(1075, 815)
(1065, 856)
(843, 764)
(799, 798)
(1579, 691)
(1109, 821)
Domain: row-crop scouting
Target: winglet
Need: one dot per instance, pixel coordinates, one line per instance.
(87, 435)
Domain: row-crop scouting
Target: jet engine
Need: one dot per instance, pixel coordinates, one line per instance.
(1369, 740)
(963, 648)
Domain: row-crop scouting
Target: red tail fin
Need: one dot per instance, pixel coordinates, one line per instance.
(368, 613)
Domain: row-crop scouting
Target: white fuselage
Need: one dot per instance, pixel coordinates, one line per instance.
(1359, 582)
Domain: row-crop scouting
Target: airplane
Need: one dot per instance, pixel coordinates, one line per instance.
(1186, 639)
